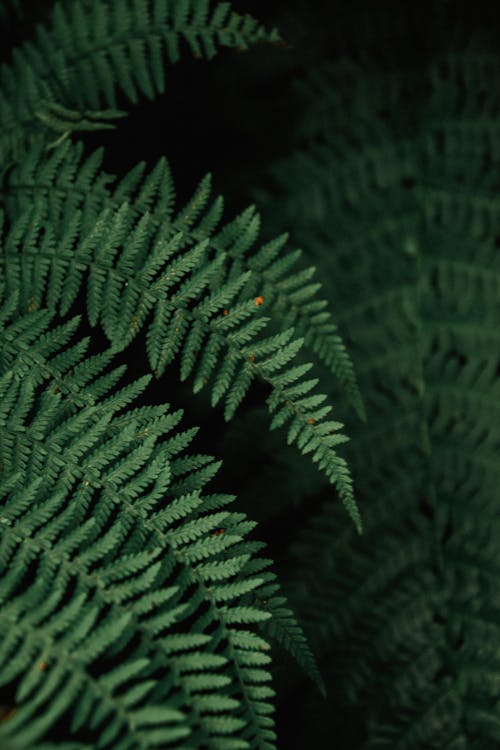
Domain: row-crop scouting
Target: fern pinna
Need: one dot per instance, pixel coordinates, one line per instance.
(397, 182)
(132, 600)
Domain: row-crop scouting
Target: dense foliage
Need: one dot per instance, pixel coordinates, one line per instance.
(138, 607)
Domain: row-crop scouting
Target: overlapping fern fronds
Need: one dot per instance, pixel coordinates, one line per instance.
(199, 291)
(132, 600)
(138, 619)
(63, 181)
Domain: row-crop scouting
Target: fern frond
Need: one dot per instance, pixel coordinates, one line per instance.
(203, 309)
(284, 628)
(120, 558)
(88, 52)
(65, 180)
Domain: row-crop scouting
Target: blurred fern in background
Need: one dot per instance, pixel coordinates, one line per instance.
(393, 185)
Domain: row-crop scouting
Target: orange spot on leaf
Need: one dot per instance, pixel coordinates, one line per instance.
(259, 301)
(6, 712)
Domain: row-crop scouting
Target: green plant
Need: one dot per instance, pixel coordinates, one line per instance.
(131, 596)
(137, 608)
(394, 187)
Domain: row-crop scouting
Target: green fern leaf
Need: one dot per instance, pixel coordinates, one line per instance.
(88, 52)
(125, 581)
(125, 286)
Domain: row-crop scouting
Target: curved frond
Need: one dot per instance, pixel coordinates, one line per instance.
(144, 268)
(89, 52)
(65, 181)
